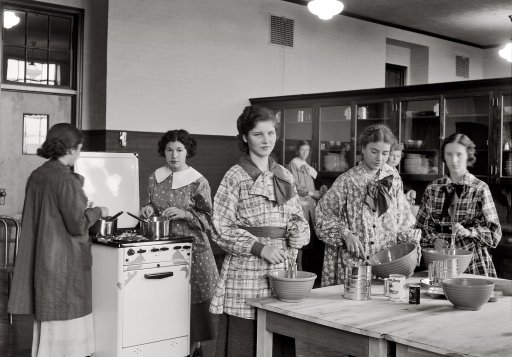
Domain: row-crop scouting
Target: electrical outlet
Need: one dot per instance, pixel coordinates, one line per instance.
(2, 196)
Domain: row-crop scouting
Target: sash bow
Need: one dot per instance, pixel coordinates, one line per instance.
(377, 195)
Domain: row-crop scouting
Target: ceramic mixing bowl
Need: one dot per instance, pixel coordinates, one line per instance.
(291, 289)
(463, 257)
(398, 259)
(468, 293)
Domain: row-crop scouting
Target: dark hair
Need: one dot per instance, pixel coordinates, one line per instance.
(251, 115)
(302, 143)
(60, 139)
(180, 135)
(464, 140)
(375, 133)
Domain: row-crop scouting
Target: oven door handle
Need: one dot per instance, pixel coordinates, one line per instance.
(159, 275)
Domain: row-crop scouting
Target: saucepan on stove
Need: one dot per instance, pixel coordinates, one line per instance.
(105, 226)
(154, 227)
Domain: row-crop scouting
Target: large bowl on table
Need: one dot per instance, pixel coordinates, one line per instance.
(468, 293)
(463, 256)
(291, 289)
(397, 259)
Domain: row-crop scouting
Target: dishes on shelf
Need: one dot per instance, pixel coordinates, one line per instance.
(413, 144)
(508, 167)
(415, 164)
(335, 162)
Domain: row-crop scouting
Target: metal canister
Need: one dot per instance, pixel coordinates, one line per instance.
(414, 294)
(358, 283)
(397, 287)
(386, 286)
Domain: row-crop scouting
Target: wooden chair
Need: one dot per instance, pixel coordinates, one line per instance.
(10, 229)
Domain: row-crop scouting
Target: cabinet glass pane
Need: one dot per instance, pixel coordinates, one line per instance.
(506, 136)
(373, 113)
(277, 154)
(298, 125)
(420, 130)
(470, 116)
(335, 125)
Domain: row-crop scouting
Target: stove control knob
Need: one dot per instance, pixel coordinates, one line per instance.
(186, 247)
(130, 252)
(141, 251)
(164, 248)
(155, 249)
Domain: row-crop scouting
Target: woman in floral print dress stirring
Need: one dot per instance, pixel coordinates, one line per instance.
(181, 193)
(254, 208)
(365, 210)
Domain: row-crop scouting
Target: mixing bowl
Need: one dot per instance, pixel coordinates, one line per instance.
(463, 257)
(468, 293)
(397, 259)
(291, 289)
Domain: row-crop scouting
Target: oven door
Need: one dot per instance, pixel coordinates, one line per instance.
(156, 304)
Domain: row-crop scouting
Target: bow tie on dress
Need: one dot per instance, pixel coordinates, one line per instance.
(377, 195)
(453, 193)
(283, 188)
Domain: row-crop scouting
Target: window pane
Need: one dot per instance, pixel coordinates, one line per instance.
(37, 66)
(60, 33)
(14, 64)
(14, 27)
(37, 30)
(59, 71)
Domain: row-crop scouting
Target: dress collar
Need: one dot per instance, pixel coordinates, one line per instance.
(179, 178)
(299, 163)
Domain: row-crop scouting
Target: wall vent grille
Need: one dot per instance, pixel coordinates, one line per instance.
(281, 30)
(462, 66)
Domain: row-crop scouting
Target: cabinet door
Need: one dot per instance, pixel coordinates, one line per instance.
(298, 125)
(471, 115)
(420, 133)
(373, 112)
(335, 126)
(505, 142)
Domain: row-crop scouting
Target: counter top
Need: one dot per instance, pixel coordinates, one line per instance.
(434, 325)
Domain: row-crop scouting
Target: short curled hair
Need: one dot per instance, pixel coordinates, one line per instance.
(375, 133)
(60, 139)
(300, 144)
(251, 115)
(464, 140)
(188, 141)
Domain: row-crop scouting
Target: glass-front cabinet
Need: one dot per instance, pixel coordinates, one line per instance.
(420, 133)
(335, 145)
(298, 125)
(505, 142)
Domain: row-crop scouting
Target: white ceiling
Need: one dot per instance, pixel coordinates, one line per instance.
(482, 23)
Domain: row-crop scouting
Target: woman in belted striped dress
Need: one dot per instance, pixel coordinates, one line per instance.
(254, 208)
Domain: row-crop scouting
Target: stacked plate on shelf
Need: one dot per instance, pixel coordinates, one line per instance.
(415, 164)
(508, 166)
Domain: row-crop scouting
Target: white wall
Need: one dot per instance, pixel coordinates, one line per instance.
(494, 65)
(194, 64)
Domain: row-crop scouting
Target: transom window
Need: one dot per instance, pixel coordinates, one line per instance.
(39, 47)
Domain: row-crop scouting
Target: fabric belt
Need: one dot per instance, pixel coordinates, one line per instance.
(266, 231)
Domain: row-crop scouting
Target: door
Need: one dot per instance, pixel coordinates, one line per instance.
(156, 304)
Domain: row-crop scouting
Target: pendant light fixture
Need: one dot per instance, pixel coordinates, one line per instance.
(10, 19)
(325, 9)
(506, 51)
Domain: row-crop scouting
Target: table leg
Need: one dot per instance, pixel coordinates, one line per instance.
(264, 337)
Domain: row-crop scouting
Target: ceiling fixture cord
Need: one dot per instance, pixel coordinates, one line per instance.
(506, 51)
(325, 9)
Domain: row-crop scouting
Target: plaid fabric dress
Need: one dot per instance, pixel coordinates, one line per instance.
(475, 211)
(242, 202)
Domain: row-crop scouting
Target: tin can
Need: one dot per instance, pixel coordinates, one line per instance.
(414, 294)
(397, 288)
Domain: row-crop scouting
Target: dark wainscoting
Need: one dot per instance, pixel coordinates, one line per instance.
(215, 153)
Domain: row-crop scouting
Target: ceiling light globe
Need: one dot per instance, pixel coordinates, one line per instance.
(325, 9)
(506, 52)
(10, 19)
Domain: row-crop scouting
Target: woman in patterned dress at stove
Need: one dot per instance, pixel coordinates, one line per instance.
(181, 193)
(258, 221)
(365, 210)
(475, 220)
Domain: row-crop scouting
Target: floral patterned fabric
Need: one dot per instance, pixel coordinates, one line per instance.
(242, 202)
(196, 199)
(342, 210)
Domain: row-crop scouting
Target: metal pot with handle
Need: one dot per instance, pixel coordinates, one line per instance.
(105, 226)
(154, 227)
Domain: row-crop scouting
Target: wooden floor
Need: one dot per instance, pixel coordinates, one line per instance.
(15, 339)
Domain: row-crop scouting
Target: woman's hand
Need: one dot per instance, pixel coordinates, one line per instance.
(295, 240)
(176, 213)
(440, 244)
(147, 211)
(273, 255)
(354, 245)
(460, 231)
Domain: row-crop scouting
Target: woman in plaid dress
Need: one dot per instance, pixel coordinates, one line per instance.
(472, 213)
(254, 208)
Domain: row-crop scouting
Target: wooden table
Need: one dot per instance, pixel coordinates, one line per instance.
(376, 327)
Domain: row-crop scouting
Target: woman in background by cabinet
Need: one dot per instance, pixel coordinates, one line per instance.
(304, 176)
(181, 193)
(52, 276)
(258, 221)
(395, 156)
(460, 203)
(365, 210)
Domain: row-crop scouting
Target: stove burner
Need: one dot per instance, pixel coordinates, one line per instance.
(128, 239)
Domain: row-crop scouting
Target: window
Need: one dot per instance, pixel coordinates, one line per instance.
(39, 47)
